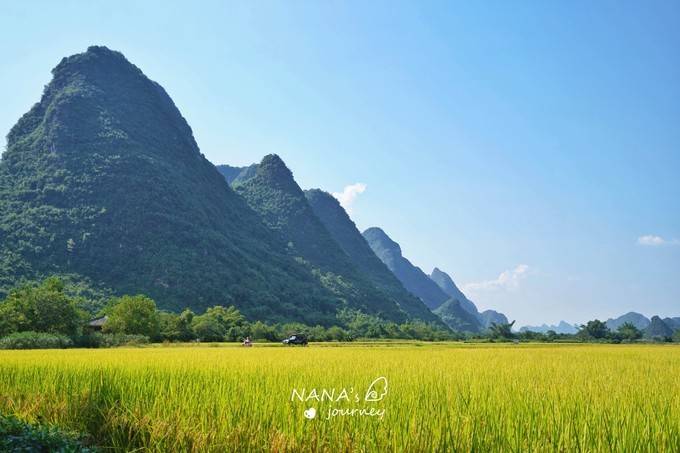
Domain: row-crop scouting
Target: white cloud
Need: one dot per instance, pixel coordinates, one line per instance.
(349, 194)
(508, 280)
(655, 241)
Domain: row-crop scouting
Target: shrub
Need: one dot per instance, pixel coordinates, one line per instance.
(110, 340)
(88, 340)
(35, 340)
(119, 339)
(16, 435)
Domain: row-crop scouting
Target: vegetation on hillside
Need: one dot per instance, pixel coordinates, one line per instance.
(345, 233)
(456, 317)
(103, 181)
(106, 200)
(412, 277)
(275, 195)
(237, 175)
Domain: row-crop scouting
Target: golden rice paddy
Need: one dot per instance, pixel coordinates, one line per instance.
(438, 397)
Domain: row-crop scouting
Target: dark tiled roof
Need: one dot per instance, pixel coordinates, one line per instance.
(98, 322)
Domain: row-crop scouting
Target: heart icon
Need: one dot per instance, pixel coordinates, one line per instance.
(310, 413)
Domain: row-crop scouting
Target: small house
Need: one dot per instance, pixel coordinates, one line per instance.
(96, 324)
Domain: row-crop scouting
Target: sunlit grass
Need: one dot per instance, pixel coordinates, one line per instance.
(442, 397)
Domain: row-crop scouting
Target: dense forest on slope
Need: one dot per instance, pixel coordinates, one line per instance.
(412, 277)
(457, 318)
(419, 283)
(275, 195)
(346, 234)
(485, 318)
(446, 283)
(235, 175)
(102, 179)
(489, 317)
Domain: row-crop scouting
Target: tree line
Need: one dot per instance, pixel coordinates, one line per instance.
(46, 315)
(594, 331)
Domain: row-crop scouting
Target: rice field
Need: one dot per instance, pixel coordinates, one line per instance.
(435, 397)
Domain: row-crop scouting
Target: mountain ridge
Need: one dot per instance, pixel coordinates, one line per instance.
(638, 320)
(102, 178)
(411, 276)
(446, 283)
(562, 327)
(419, 283)
(344, 231)
(283, 206)
(458, 318)
(657, 328)
(485, 318)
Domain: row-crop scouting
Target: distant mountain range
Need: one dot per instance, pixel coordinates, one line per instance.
(437, 291)
(673, 323)
(636, 319)
(446, 284)
(656, 327)
(346, 234)
(457, 318)
(652, 328)
(562, 328)
(412, 277)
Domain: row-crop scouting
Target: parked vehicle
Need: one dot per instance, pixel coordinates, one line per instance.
(296, 339)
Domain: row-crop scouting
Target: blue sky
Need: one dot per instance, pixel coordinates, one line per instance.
(530, 149)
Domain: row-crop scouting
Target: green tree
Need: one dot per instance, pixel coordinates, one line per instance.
(292, 328)
(208, 328)
(336, 333)
(262, 331)
(550, 336)
(628, 331)
(318, 333)
(133, 315)
(362, 325)
(529, 335)
(229, 316)
(186, 318)
(174, 327)
(594, 329)
(501, 331)
(219, 324)
(169, 325)
(42, 308)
